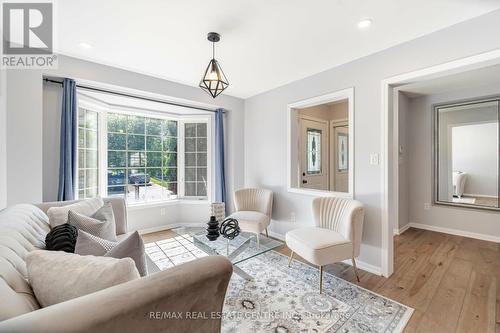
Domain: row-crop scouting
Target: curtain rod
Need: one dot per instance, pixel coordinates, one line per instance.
(111, 92)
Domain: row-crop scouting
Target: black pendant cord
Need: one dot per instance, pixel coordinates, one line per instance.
(111, 92)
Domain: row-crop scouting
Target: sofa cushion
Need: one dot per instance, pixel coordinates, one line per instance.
(71, 275)
(62, 238)
(17, 296)
(22, 229)
(131, 247)
(88, 244)
(59, 215)
(100, 224)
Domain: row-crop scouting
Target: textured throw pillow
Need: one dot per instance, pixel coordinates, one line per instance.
(62, 238)
(132, 247)
(88, 244)
(59, 276)
(59, 215)
(100, 224)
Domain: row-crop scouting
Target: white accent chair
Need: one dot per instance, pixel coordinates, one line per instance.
(253, 210)
(336, 236)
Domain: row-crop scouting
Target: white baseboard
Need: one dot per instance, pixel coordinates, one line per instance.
(455, 232)
(159, 228)
(365, 266)
(276, 235)
(167, 227)
(401, 230)
(361, 264)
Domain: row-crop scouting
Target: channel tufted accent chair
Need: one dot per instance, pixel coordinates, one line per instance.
(336, 235)
(253, 210)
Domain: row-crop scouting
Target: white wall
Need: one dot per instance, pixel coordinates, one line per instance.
(24, 136)
(475, 151)
(265, 141)
(33, 134)
(52, 105)
(3, 138)
(420, 142)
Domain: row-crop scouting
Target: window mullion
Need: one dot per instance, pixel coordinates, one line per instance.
(180, 159)
(103, 153)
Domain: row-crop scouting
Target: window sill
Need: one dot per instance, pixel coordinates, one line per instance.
(175, 202)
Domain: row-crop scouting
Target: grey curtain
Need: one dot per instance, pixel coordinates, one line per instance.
(220, 177)
(68, 144)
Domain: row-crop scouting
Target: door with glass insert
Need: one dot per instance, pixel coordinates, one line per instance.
(314, 154)
(339, 181)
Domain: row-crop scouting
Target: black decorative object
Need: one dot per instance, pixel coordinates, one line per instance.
(62, 238)
(214, 80)
(229, 228)
(212, 229)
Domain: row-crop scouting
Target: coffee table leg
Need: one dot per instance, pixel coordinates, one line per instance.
(242, 273)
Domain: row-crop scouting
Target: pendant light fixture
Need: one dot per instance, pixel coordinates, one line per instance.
(214, 81)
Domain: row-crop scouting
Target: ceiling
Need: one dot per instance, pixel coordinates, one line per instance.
(487, 76)
(265, 43)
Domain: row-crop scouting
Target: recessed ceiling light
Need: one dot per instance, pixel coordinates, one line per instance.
(84, 45)
(364, 24)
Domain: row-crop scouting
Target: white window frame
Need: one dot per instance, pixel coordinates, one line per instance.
(103, 109)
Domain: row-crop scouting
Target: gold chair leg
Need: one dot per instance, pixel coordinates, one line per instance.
(267, 235)
(290, 260)
(355, 269)
(320, 279)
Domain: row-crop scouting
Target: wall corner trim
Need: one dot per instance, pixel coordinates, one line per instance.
(402, 229)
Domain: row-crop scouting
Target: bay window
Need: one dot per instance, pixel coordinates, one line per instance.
(88, 158)
(142, 156)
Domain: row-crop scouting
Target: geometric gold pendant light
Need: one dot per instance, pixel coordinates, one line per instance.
(214, 80)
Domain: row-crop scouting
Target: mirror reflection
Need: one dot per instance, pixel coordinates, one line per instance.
(467, 153)
(323, 147)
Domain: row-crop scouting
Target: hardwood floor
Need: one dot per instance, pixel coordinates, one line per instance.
(452, 282)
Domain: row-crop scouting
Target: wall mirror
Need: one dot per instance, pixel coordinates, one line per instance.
(321, 145)
(466, 145)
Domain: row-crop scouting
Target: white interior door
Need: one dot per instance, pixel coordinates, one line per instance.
(340, 160)
(314, 161)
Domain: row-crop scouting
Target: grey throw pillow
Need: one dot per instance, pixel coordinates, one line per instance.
(57, 276)
(88, 244)
(100, 224)
(131, 247)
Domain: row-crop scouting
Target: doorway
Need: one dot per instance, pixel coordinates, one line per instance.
(390, 140)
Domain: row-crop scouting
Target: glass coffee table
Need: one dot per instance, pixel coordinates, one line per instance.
(237, 250)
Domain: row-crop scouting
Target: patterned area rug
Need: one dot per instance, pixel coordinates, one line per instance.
(283, 299)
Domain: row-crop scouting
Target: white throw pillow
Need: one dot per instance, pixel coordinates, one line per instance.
(57, 276)
(59, 215)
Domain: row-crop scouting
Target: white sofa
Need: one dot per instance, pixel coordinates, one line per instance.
(198, 286)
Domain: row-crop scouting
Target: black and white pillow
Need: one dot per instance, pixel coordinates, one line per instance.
(100, 224)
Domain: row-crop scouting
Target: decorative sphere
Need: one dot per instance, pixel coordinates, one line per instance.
(229, 228)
